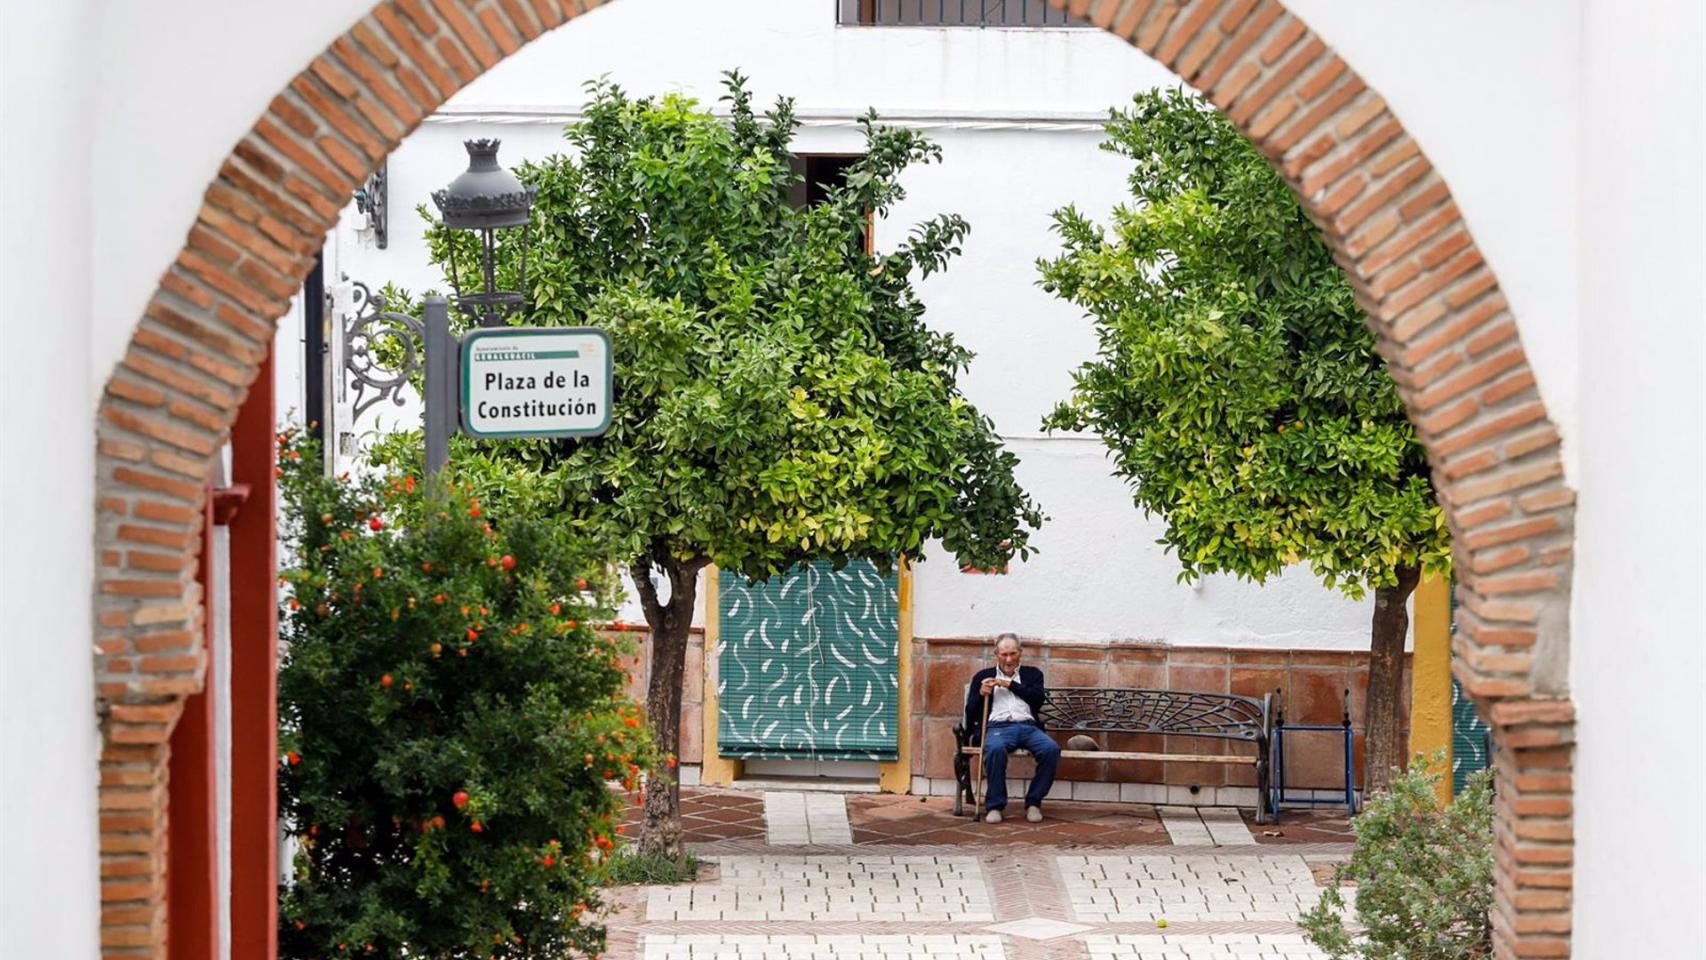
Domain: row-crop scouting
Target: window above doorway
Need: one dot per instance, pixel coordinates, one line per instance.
(820, 173)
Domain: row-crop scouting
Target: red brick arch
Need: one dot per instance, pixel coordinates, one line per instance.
(1443, 326)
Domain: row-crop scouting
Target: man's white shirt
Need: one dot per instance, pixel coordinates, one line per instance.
(1007, 706)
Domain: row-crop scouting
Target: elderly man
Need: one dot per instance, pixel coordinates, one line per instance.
(1017, 694)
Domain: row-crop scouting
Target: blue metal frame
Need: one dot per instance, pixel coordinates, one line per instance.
(1277, 782)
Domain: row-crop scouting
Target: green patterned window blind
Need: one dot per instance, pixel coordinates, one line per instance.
(807, 666)
(1469, 734)
(1468, 739)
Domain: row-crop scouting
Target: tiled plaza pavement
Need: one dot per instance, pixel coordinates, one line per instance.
(1147, 888)
(1089, 883)
(868, 888)
(888, 818)
(709, 815)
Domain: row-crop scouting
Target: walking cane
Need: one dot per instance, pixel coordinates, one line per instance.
(982, 738)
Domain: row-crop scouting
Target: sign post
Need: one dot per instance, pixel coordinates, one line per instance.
(439, 389)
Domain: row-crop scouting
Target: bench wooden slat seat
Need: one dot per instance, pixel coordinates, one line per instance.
(1172, 713)
(1123, 755)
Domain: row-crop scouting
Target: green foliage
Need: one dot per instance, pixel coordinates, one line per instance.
(629, 865)
(1423, 875)
(448, 721)
(778, 396)
(1237, 384)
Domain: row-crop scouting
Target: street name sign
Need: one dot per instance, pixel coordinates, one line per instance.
(536, 382)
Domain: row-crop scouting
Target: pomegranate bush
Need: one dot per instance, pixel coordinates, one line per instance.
(449, 722)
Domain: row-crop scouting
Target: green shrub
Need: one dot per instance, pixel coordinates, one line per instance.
(630, 865)
(1423, 875)
(449, 722)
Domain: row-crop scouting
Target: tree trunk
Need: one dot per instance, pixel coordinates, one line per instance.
(660, 832)
(1383, 747)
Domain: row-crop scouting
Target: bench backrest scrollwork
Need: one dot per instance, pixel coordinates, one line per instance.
(1102, 710)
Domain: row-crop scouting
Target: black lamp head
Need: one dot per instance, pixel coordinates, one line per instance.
(485, 196)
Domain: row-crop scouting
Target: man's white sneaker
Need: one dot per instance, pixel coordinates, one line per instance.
(993, 816)
(1034, 814)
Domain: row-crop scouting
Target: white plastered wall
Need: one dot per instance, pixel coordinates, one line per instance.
(1639, 610)
(1490, 91)
(49, 742)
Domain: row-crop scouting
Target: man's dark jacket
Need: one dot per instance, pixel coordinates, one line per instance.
(1028, 687)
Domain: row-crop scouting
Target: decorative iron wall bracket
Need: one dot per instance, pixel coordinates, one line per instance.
(371, 200)
(384, 351)
(368, 351)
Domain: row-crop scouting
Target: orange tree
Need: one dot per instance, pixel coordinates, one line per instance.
(448, 722)
(778, 396)
(1238, 387)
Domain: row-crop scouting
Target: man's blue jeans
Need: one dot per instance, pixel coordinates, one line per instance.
(1006, 736)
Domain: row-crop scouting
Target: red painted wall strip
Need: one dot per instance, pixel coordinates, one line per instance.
(192, 854)
(254, 679)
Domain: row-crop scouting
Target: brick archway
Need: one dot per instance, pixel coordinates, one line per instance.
(1442, 324)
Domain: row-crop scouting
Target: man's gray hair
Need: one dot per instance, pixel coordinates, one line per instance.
(1008, 638)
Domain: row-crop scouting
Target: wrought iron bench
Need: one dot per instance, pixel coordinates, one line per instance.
(1173, 713)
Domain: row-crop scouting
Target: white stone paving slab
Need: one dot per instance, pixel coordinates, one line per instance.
(1184, 827)
(785, 821)
(826, 818)
(1218, 946)
(796, 818)
(1225, 826)
(1120, 888)
(1037, 928)
(820, 947)
(783, 888)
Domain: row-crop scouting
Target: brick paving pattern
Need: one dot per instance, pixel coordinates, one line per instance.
(709, 815)
(892, 819)
(1148, 888)
(1302, 827)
